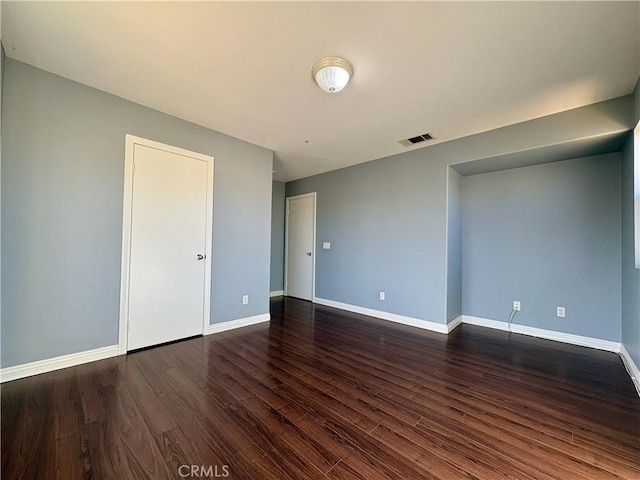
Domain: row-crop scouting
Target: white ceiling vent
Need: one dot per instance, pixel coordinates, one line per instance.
(413, 140)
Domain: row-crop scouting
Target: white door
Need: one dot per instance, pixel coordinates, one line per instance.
(300, 251)
(167, 281)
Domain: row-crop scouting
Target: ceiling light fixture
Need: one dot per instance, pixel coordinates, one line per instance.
(332, 73)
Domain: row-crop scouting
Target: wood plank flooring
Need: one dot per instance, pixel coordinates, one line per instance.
(318, 393)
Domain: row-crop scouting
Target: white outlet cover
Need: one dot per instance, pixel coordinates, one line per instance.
(245, 299)
(381, 295)
(326, 245)
(560, 312)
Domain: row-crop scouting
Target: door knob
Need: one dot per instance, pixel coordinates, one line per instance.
(308, 254)
(201, 256)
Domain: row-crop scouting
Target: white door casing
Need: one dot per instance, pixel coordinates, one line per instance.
(300, 241)
(167, 224)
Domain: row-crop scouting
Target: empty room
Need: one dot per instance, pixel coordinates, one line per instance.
(320, 240)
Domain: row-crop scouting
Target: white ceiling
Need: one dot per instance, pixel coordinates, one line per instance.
(244, 69)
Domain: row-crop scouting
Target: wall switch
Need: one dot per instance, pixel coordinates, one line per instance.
(326, 245)
(516, 305)
(381, 295)
(560, 312)
(245, 299)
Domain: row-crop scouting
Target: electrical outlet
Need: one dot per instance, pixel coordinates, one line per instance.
(516, 305)
(381, 295)
(245, 299)
(560, 312)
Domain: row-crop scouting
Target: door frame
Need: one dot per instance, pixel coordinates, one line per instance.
(127, 204)
(313, 249)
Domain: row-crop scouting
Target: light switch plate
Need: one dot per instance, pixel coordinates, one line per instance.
(326, 245)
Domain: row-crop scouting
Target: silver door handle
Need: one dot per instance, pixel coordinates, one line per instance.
(201, 256)
(308, 254)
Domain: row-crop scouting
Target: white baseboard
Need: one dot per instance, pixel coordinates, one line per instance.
(453, 324)
(56, 363)
(484, 322)
(241, 322)
(392, 317)
(546, 334)
(631, 367)
(64, 361)
(276, 293)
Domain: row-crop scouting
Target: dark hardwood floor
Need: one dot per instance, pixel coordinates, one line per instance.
(319, 393)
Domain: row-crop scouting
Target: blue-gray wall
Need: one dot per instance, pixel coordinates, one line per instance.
(387, 219)
(454, 245)
(547, 235)
(277, 236)
(62, 185)
(630, 274)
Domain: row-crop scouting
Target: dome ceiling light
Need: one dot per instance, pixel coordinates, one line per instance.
(332, 73)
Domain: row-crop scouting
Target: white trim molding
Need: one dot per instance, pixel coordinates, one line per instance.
(485, 322)
(56, 363)
(453, 324)
(546, 334)
(276, 293)
(239, 323)
(392, 317)
(631, 367)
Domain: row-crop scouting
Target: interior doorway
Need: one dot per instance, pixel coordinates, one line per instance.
(300, 240)
(166, 252)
